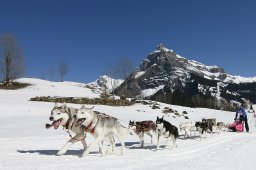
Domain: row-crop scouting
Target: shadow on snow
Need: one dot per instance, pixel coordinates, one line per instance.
(53, 152)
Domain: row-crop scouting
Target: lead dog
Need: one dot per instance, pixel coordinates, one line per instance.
(100, 126)
(167, 130)
(144, 127)
(63, 116)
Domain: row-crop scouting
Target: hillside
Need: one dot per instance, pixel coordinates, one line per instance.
(26, 144)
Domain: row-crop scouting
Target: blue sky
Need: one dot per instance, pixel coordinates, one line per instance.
(89, 34)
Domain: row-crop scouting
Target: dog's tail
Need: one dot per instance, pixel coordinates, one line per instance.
(176, 133)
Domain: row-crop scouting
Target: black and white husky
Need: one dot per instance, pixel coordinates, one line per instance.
(167, 130)
(63, 116)
(100, 126)
(144, 127)
(203, 127)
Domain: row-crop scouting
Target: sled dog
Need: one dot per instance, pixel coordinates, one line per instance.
(100, 126)
(187, 127)
(203, 127)
(63, 116)
(221, 126)
(144, 127)
(167, 130)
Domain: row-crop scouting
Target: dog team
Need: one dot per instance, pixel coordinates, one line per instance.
(105, 127)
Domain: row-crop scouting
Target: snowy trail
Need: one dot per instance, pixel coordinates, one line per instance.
(227, 150)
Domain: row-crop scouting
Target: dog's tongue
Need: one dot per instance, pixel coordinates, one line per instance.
(79, 122)
(56, 124)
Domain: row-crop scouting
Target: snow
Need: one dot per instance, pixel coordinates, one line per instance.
(48, 88)
(150, 92)
(159, 49)
(179, 56)
(138, 74)
(26, 144)
(240, 79)
(105, 82)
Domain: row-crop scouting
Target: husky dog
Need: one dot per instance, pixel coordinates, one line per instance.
(100, 126)
(63, 116)
(212, 122)
(220, 126)
(187, 127)
(140, 128)
(203, 127)
(168, 130)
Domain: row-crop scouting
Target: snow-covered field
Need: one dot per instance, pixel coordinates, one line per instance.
(26, 144)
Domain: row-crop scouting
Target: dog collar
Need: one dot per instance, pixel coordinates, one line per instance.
(88, 128)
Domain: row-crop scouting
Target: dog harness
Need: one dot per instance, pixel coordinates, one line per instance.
(144, 126)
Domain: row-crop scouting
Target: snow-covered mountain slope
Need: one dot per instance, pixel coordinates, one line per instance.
(26, 144)
(104, 83)
(164, 72)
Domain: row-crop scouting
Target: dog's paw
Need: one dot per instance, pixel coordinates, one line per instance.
(60, 153)
(85, 154)
(109, 152)
(122, 153)
(169, 147)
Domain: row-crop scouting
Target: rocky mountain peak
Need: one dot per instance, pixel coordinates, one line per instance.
(169, 77)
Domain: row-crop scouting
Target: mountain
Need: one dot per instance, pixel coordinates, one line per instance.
(168, 77)
(104, 83)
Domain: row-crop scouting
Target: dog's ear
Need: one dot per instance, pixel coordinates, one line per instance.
(64, 106)
(55, 105)
(157, 118)
(83, 106)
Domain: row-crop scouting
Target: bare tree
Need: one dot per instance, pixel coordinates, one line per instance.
(121, 70)
(11, 58)
(63, 70)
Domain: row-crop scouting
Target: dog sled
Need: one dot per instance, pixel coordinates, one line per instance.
(237, 126)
